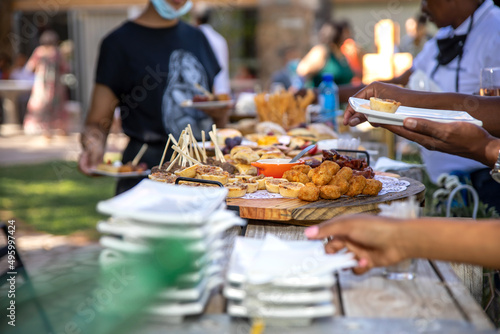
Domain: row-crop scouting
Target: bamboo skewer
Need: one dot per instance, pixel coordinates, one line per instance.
(187, 157)
(204, 151)
(194, 142)
(218, 152)
(172, 163)
(139, 154)
(164, 152)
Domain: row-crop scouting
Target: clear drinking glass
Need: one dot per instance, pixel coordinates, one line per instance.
(490, 81)
(406, 269)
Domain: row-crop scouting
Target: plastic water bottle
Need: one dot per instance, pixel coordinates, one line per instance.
(328, 99)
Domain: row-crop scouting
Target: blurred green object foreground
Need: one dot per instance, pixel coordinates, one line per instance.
(53, 197)
(112, 299)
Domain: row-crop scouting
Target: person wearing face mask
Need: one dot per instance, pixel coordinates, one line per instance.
(148, 67)
(467, 41)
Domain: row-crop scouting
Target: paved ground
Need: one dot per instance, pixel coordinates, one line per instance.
(45, 254)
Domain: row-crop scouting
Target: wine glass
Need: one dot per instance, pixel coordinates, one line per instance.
(490, 81)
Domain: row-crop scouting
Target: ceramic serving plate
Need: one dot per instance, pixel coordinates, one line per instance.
(378, 117)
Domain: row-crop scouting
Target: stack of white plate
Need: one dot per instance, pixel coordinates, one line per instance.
(283, 282)
(195, 216)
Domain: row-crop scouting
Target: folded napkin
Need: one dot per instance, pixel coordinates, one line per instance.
(270, 259)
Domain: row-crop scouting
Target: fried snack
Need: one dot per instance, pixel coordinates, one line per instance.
(296, 176)
(339, 181)
(246, 156)
(330, 192)
(331, 166)
(372, 187)
(187, 172)
(323, 174)
(345, 172)
(246, 169)
(290, 189)
(302, 168)
(236, 189)
(356, 186)
(272, 185)
(283, 107)
(309, 192)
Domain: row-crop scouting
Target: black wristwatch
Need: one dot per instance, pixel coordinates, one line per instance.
(495, 172)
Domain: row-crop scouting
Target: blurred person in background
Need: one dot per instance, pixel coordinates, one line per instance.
(148, 67)
(48, 97)
(326, 58)
(202, 14)
(416, 35)
(287, 76)
(467, 41)
(5, 66)
(20, 72)
(352, 52)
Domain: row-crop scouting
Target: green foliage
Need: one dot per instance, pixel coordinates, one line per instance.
(52, 197)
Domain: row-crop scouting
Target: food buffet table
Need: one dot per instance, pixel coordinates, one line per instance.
(434, 302)
(297, 212)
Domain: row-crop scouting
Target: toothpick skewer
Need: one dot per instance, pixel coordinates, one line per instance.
(218, 152)
(164, 153)
(194, 142)
(204, 150)
(203, 90)
(139, 154)
(188, 158)
(172, 163)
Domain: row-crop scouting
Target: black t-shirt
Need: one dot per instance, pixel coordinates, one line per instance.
(153, 70)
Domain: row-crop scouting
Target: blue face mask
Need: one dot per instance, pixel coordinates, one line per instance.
(166, 11)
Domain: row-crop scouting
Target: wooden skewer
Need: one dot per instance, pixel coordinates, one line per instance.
(172, 163)
(164, 152)
(174, 142)
(203, 90)
(194, 142)
(204, 150)
(217, 149)
(139, 154)
(187, 157)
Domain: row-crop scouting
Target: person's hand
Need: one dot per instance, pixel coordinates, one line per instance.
(459, 138)
(375, 89)
(92, 153)
(375, 241)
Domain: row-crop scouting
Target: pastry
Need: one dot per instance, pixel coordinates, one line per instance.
(384, 105)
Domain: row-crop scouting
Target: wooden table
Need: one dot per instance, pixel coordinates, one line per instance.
(296, 212)
(434, 302)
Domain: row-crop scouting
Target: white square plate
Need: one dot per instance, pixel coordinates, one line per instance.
(436, 115)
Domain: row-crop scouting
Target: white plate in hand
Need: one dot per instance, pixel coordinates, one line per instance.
(207, 104)
(120, 174)
(436, 115)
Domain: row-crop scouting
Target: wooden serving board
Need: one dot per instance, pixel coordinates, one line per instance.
(296, 211)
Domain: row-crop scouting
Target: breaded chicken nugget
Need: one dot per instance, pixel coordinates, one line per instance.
(322, 177)
(302, 168)
(372, 187)
(330, 166)
(339, 181)
(311, 173)
(346, 173)
(296, 176)
(356, 186)
(309, 193)
(330, 192)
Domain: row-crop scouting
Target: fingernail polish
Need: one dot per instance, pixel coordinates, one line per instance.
(362, 263)
(410, 123)
(311, 231)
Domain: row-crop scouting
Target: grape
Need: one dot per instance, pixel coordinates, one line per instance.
(237, 140)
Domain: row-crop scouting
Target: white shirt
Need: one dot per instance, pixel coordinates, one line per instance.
(220, 49)
(481, 49)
